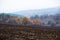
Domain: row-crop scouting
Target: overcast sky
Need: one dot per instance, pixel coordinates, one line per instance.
(18, 5)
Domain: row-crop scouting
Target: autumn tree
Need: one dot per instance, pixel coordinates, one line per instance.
(36, 21)
(24, 20)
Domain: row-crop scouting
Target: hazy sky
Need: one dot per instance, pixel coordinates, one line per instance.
(18, 5)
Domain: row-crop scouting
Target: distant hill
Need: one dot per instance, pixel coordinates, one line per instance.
(11, 15)
(49, 11)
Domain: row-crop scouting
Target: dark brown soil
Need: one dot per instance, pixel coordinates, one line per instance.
(26, 33)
